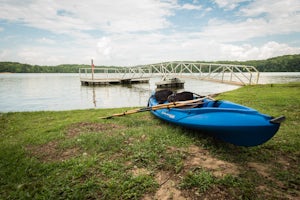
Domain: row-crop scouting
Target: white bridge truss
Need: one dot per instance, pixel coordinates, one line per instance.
(224, 73)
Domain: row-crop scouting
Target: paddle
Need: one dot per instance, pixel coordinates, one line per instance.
(157, 107)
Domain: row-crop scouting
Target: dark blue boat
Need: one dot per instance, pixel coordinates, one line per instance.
(230, 122)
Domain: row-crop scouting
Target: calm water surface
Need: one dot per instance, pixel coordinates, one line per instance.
(38, 92)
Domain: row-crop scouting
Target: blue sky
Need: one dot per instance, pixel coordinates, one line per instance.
(133, 32)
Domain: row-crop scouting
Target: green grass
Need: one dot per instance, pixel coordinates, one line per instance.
(76, 155)
(201, 179)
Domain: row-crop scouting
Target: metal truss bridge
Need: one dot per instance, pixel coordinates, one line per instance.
(223, 73)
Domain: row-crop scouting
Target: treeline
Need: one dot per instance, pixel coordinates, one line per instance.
(15, 67)
(287, 63)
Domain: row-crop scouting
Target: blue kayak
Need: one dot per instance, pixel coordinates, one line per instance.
(225, 120)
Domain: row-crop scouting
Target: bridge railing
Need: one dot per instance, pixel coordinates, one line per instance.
(225, 73)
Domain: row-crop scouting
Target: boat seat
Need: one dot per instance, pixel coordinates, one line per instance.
(161, 96)
(216, 103)
(213, 104)
(182, 96)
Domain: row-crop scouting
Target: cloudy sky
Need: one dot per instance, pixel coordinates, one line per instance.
(133, 32)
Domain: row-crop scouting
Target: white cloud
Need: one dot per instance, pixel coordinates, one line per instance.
(127, 49)
(272, 49)
(229, 4)
(279, 16)
(249, 52)
(224, 31)
(191, 7)
(44, 55)
(131, 32)
(262, 18)
(110, 15)
(46, 41)
(130, 49)
(272, 8)
(104, 47)
(4, 54)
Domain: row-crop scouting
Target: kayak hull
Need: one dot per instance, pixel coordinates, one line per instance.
(227, 121)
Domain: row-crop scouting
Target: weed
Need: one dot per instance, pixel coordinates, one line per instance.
(200, 179)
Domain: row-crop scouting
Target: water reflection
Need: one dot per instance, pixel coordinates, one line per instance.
(115, 96)
(94, 97)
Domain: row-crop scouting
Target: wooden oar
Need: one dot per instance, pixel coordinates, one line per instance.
(157, 107)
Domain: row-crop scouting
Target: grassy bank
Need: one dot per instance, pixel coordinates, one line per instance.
(76, 155)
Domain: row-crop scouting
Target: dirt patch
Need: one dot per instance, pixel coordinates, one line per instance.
(140, 171)
(260, 168)
(265, 170)
(287, 162)
(195, 157)
(199, 157)
(215, 193)
(147, 117)
(88, 127)
(202, 158)
(52, 152)
(168, 188)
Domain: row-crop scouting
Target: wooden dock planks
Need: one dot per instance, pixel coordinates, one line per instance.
(91, 82)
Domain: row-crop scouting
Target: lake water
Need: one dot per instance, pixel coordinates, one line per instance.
(41, 92)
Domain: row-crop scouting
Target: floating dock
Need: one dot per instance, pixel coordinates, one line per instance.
(170, 83)
(112, 81)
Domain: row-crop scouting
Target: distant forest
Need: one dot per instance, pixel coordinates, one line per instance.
(287, 63)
